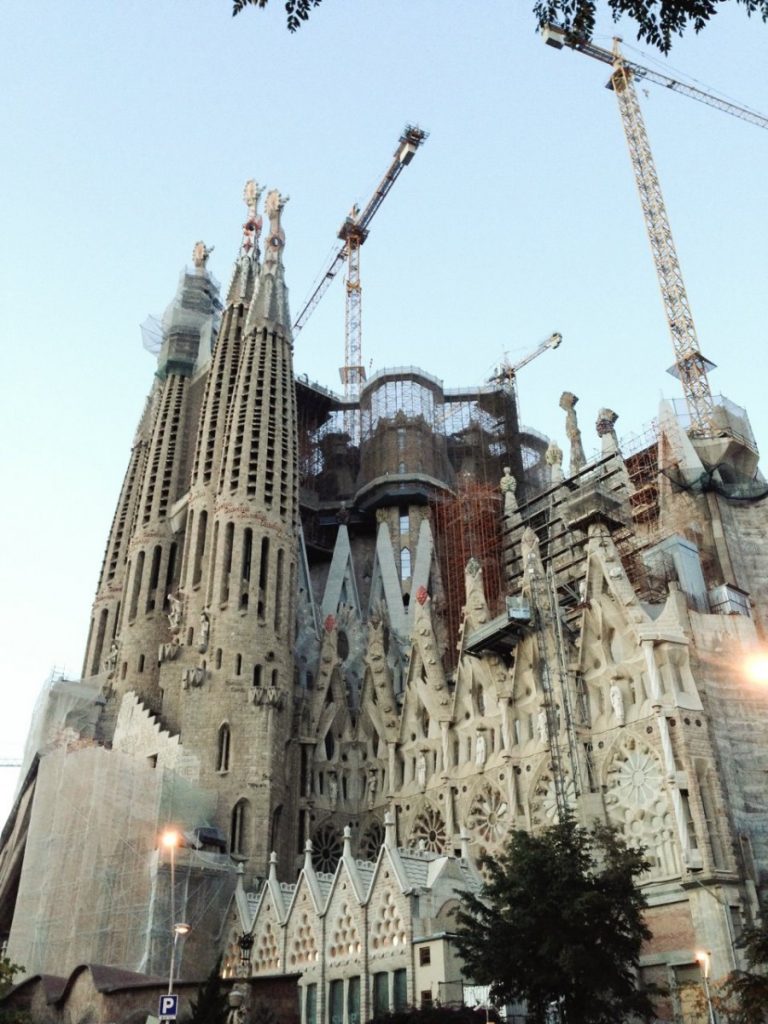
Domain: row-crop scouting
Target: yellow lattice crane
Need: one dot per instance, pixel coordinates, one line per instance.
(690, 365)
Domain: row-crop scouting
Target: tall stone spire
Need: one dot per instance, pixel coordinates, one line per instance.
(246, 269)
(240, 570)
(271, 300)
(143, 551)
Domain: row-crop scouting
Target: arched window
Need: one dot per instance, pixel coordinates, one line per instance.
(238, 832)
(222, 752)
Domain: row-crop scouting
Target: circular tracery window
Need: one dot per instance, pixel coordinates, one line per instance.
(326, 849)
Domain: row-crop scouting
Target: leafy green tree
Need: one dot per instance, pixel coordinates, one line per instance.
(559, 925)
(748, 990)
(8, 973)
(211, 1006)
(656, 21)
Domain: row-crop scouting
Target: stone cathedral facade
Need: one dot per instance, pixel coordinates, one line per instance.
(347, 645)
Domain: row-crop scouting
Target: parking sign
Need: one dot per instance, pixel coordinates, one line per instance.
(169, 1007)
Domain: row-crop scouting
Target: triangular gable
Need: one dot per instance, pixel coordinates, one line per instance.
(303, 930)
(341, 588)
(386, 586)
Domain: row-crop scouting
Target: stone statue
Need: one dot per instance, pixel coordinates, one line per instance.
(333, 788)
(541, 725)
(421, 770)
(529, 548)
(174, 612)
(473, 567)
(508, 488)
(568, 402)
(554, 459)
(481, 750)
(110, 662)
(373, 785)
(617, 702)
(200, 255)
(205, 629)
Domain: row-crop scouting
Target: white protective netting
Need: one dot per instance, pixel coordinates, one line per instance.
(94, 886)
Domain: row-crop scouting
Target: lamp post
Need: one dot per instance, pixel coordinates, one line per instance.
(179, 931)
(170, 840)
(704, 960)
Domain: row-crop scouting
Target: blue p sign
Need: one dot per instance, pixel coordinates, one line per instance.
(169, 1007)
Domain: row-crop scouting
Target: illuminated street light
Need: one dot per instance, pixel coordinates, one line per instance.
(170, 839)
(704, 960)
(756, 668)
(179, 932)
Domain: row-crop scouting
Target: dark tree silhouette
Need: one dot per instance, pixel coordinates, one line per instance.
(559, 925)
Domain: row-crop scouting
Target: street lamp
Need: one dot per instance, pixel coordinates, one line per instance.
(170, 840)
(179, 931)
(704, 960)
(756, 668)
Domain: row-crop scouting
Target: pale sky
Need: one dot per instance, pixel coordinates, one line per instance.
(129, 131)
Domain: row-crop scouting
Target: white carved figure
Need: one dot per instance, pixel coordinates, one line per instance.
(568, 402)
(508, 488)
(481, 750)
(529, 548)
(373, 784)
(421, 770)
(617, 702)
(110, 662)
(205, 628)
(174, 611)
(541, 725)
(200, 255)
(333, 788)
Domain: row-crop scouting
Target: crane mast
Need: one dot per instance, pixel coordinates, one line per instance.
(690, 365)
(352, 233)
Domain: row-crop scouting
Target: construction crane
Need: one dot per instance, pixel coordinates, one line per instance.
(690, 365)
(352, 233)
(506, 372)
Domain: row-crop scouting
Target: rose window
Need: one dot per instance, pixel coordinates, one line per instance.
(326, 849)
(428, 832)
(549, 802)
(372, 841)
(638, 777)
(490, 815)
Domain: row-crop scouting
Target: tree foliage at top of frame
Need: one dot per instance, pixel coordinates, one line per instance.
(657, 21)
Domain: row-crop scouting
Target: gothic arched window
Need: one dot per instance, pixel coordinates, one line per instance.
(222, 750)
(238, 832)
